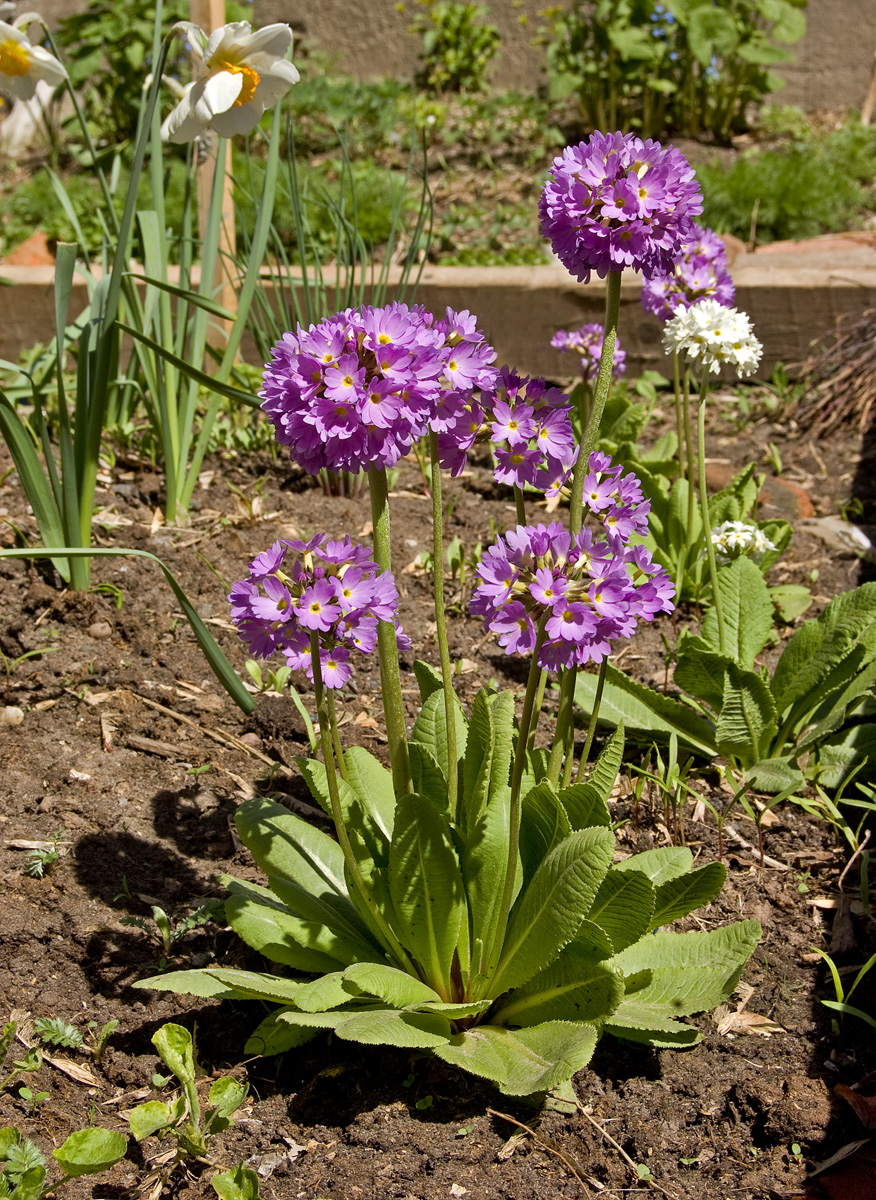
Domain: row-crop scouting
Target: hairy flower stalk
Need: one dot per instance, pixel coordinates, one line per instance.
(587, 343)
(711, 335)
(440, 623)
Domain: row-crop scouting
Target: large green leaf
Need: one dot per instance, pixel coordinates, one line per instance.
(503, 741)
(737, 501)
(225, 983)
(586, 804)
(644, 711)
(660, 865)
(274, 1035)
(304, 865)
(388, 1027)
(820, 645)
(841, 753)
(369, 843)
(372, 783)
(426, 888)
(526, 1060)
(576, 986)
(748, 715)
(549, 912)
(323, 994)
(484, 862)
(636, 1024)
(264, 923)
(427, 777)
(686, 973)
(701, 671)
(677, 897)
(747, 611)
(393, 987)
(430, 730)
(478, 759)
(832, 712)
(623, 906)
(543, 825)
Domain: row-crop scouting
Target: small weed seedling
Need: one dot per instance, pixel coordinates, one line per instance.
(41, 861)
(841, 1004)
(54, 1031)
(28, 1065)
(166, 931)
(182, 1118)
(23, 1167)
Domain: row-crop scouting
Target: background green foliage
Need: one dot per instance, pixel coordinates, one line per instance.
(457, 45)
(682, 66)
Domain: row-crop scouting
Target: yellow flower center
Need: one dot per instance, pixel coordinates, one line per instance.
(14, 58)
(250, 78)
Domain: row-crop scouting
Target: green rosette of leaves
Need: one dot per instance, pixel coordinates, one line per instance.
(587, 947)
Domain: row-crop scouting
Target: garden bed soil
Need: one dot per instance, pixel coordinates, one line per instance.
(130, 749)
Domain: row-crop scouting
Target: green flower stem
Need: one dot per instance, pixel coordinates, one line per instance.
(704, 505)
(390, 680)
(520, 504)
(441, 622)
(600, 397)
(390, 941)
(565, 721)
(526, 724)
(564, 738)
(539, 700)
(594, 716)
(691, 469)
(679, 414)
(336, 738)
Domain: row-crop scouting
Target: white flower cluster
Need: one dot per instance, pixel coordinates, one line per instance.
(732, 539)
(713, 334)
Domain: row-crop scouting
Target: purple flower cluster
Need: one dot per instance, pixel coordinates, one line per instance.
(357, 390)
(527, 423)
(700, 274)
(583, 591)
(616, 201)
(587, 342)
(332, 588)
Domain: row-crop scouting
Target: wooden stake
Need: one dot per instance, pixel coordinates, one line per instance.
(209, 15)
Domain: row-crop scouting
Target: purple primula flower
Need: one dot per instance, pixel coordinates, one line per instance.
(331, 588)
(527, 424)
(581, 591)
(587, 342)
(616, 201)
(701, 273)
(358, 389)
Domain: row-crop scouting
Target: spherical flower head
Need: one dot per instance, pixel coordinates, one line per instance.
(330, 589)
(527, 424)
(737, 539)
(710, 334)
(701, 273)
(617, 201)
(587, 343)
(356, 390)
(23, 65)
(238, 75)
(576, 593)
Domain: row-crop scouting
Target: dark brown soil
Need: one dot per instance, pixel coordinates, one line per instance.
(132, 752)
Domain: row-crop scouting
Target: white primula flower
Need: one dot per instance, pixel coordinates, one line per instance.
(238, 75)
(713, 334)
(22, 65)
(732, 539)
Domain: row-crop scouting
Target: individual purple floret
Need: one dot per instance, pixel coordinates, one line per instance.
(700, 274)
(616, 201)
(583, 591)
(527, 423)
(587, 343)
(331, 588)
(357, 390)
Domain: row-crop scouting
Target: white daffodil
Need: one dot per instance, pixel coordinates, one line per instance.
(238, 75)
(22, 65)
(713, 334)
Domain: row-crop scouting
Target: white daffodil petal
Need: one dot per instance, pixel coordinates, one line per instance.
(46, 66)
(272, 41)
(218, 94)
(9, 33)
(240, 120)
(182, 125)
